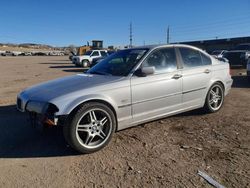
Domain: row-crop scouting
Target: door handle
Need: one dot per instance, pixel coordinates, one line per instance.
(177, 76)
(207, 71)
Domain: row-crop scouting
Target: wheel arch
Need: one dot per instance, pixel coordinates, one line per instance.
(218, 81)
(210, 85)
(102, 101)
(85, 60)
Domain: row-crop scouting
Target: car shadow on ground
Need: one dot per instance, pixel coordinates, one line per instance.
(63, 66)
(78, 70)
(67, 67)
(240, 82)
(62, 60)
(18, 139)
(59, 63)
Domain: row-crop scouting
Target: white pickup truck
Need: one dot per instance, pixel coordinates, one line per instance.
(86, 59)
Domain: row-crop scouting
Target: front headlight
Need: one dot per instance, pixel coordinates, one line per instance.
(37, 106)
(41, 107)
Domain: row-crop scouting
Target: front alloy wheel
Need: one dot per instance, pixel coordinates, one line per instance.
(91, 128)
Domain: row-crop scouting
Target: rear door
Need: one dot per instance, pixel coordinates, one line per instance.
(196, 74)
(158, 94)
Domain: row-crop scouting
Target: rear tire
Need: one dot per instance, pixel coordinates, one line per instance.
(85, 63)
(214, 98)
(90, 128)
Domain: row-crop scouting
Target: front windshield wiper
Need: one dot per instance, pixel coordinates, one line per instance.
(99, 73)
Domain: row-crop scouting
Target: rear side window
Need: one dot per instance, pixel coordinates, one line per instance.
(164, 60)
(104, 54)
(205, 59)
(190, 57)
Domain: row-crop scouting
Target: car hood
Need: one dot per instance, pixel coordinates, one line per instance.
(235, 51)
(66, 85)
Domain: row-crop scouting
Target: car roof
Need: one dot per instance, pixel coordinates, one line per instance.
(152, 47)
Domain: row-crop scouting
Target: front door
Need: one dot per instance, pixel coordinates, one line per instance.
(160, 93)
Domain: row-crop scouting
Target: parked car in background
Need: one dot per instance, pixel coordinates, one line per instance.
(16, 53)
(239, 55)
(2, 53)
(27, 53)
(248, 69)
(218, 53)
(86, 59)
(40, 53)
(55, 53)
(99, 59)
(130, 87)
(8, 53)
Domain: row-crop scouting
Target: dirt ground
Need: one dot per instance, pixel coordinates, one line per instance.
(164, 153)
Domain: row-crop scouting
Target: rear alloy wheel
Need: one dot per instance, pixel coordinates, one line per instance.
(91, 128)
(215, 98)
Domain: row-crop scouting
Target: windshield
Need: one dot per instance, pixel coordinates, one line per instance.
(119, 63)
(242, 47)
(88, 53)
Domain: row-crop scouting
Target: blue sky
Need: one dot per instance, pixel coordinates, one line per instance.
(65, 22)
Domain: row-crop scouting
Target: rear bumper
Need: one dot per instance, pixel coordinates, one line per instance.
(228, 86)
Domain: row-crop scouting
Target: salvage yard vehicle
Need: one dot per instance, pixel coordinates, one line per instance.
(86, 59)
(128, 88)
(8, 53)
(248, 69)
(2, 53)
(238, 56)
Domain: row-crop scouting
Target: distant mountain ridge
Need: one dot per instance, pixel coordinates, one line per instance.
(30, 45)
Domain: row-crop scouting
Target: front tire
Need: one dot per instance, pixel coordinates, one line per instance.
(214, 98)
(90, 128)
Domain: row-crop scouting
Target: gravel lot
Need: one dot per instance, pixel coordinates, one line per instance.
(164, 153)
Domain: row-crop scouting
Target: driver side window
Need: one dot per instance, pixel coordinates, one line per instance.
(164, 60)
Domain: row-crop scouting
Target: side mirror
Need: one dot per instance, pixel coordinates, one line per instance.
(145, 71)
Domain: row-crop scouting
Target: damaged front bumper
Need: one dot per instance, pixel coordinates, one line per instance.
(40, 113)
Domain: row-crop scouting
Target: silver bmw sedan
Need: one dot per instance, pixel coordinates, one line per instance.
(130, 87)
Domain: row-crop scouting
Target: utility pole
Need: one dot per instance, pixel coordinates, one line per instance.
(168, 35)
(130, 35)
